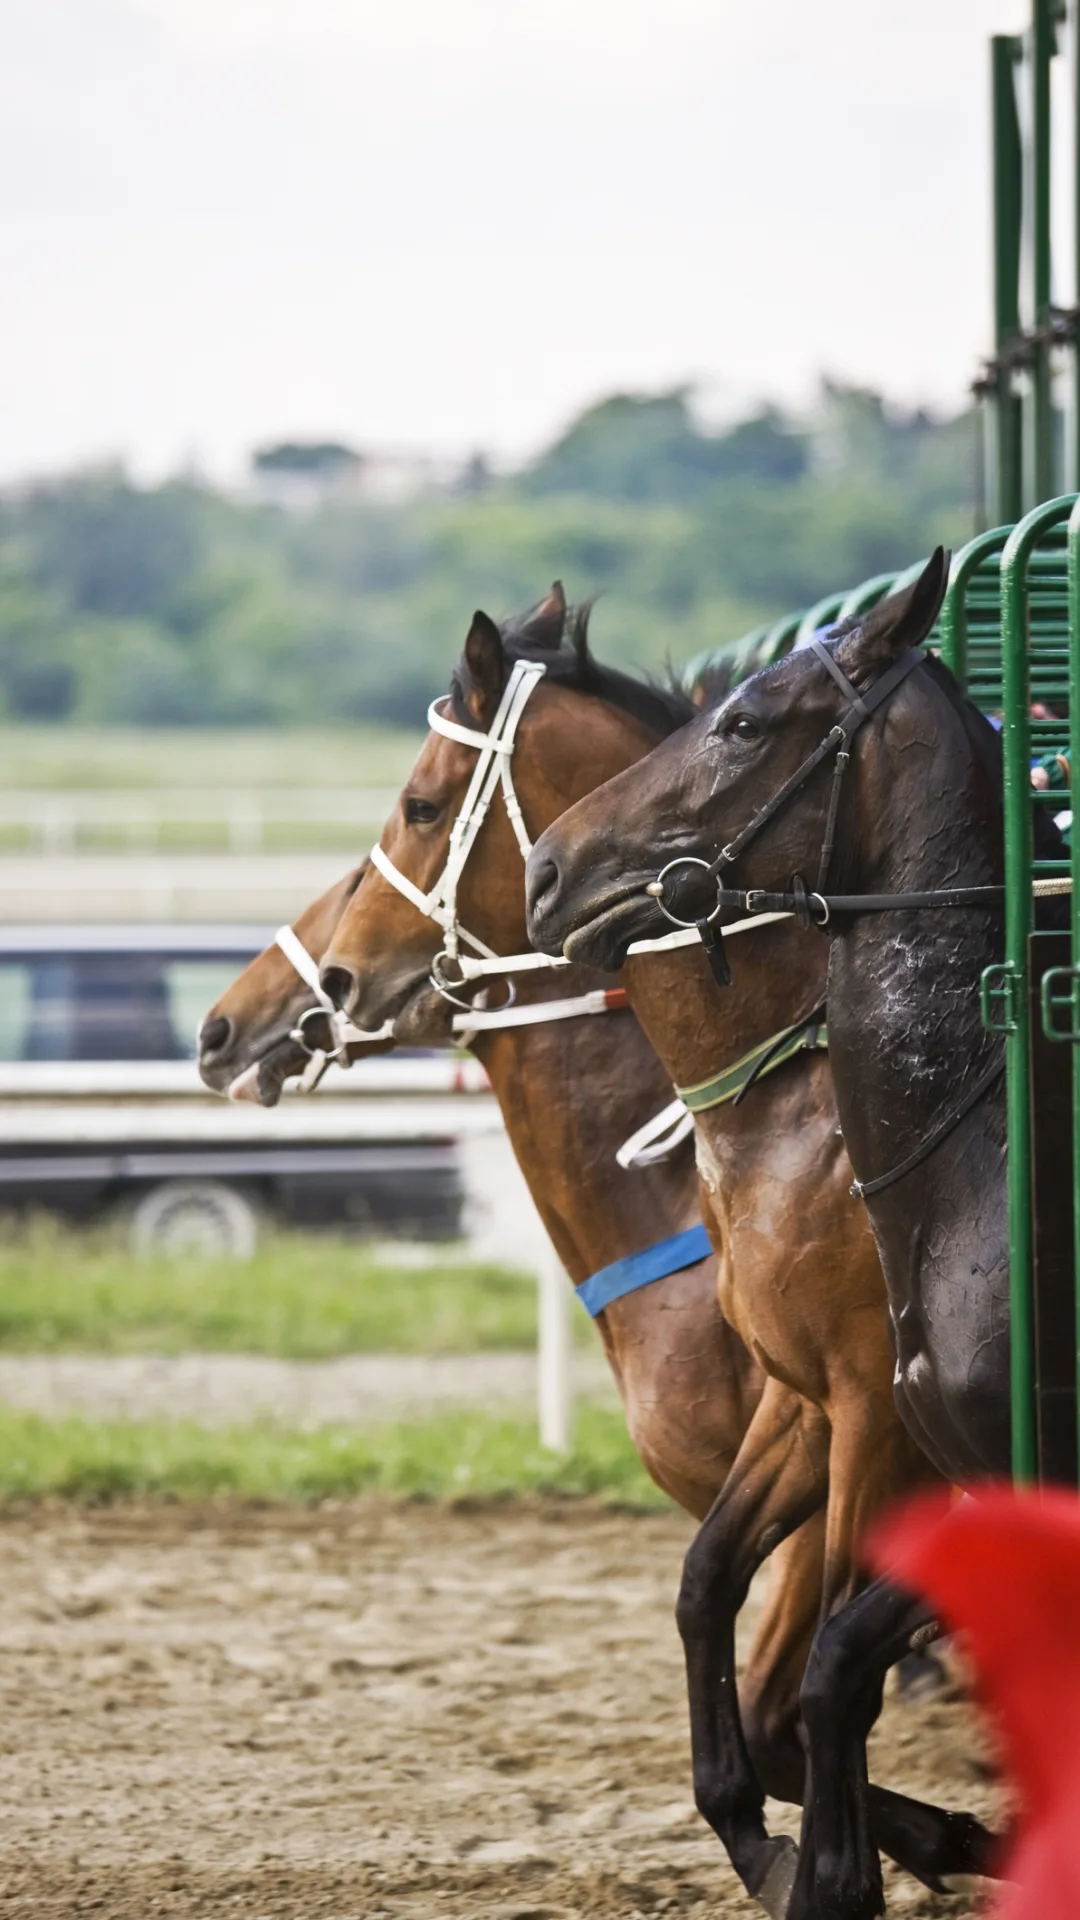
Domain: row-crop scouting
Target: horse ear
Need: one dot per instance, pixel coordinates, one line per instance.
(542, 627)
(902, 620)
(486, 665)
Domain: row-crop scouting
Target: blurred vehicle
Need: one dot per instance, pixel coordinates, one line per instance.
(103, 1114)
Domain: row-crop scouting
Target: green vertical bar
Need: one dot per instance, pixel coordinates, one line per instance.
(1074, 478)
(1074, 752)
(1008, 445)
(1019, 921)
(1017, 756)
(953, 618)
(1042, 53)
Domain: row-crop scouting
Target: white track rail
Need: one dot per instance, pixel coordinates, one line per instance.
(54, 1104)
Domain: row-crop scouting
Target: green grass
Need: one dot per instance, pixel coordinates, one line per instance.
(302, 1297)
(453, 1455)
(80, 758)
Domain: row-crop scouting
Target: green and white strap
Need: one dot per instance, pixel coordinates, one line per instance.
(807, 1036)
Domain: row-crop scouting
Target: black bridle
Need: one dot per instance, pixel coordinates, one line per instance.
(817, 908)
(811, 907)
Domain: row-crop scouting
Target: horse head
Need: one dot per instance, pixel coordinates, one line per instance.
(246, 1046)
(395, 931)
(711, 787)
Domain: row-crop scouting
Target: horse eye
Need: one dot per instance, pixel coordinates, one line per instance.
(746, 729)
(420, 813)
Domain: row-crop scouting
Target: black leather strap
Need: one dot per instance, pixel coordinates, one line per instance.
(899, 902)
(851, 692)
(818, 908)
(865, 1189)
(837, 739)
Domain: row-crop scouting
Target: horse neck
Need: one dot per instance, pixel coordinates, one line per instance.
(698, 1027)
(904, 1026)
(570, 1093)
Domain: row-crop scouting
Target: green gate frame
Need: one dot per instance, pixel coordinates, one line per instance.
(1009, 630)
(1028, 459)
(1039, 575)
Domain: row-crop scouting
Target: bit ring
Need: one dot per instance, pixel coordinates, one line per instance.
(298, 1034)
(656, 889)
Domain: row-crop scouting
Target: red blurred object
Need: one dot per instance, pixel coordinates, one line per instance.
(1004, 1569)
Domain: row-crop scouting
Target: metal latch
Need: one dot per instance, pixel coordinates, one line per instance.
(999, 997)
(1060, 998)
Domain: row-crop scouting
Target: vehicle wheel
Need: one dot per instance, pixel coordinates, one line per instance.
(195, 1216)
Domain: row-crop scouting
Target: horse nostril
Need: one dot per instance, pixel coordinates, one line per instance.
(339, 983)
(542, 884)
(214, 1034)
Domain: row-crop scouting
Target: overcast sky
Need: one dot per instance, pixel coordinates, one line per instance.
(449, 224)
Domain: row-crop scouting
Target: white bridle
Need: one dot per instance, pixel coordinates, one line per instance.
(493, 769)
(341, 1027)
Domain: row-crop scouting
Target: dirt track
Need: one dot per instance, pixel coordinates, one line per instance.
(370, 1711)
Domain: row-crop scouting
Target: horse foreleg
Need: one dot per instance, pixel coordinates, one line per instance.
(842, 1692)
(777, 1481)
(771, 1681)
(926, 1840)
(872, 1463)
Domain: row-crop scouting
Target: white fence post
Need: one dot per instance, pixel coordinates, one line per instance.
(245, 830)
(57, 827)
(554, 1344)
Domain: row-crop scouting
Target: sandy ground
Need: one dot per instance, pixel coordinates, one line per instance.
(368, 1711)
(226, 1389)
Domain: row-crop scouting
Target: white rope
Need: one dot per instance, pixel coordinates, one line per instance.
(690, 937)
(657, 1138)
(508, 963)
(664, 943)
(538, 1013)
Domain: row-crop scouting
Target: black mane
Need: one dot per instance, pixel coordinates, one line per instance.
(569, 662)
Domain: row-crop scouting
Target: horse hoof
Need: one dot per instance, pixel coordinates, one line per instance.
(774, 1893)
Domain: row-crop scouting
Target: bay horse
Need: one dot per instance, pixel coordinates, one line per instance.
(913, 809)
(570, 1092)
(249, 1043)
(688, 1384)
(798, 1270)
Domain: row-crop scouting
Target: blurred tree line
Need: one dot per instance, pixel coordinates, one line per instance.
(177, 604)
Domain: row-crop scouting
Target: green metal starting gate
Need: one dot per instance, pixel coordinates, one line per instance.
(1008, 634)
(1030, 386)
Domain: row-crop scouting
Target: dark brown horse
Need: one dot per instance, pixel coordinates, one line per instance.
(798, 1271)
(919, 810)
